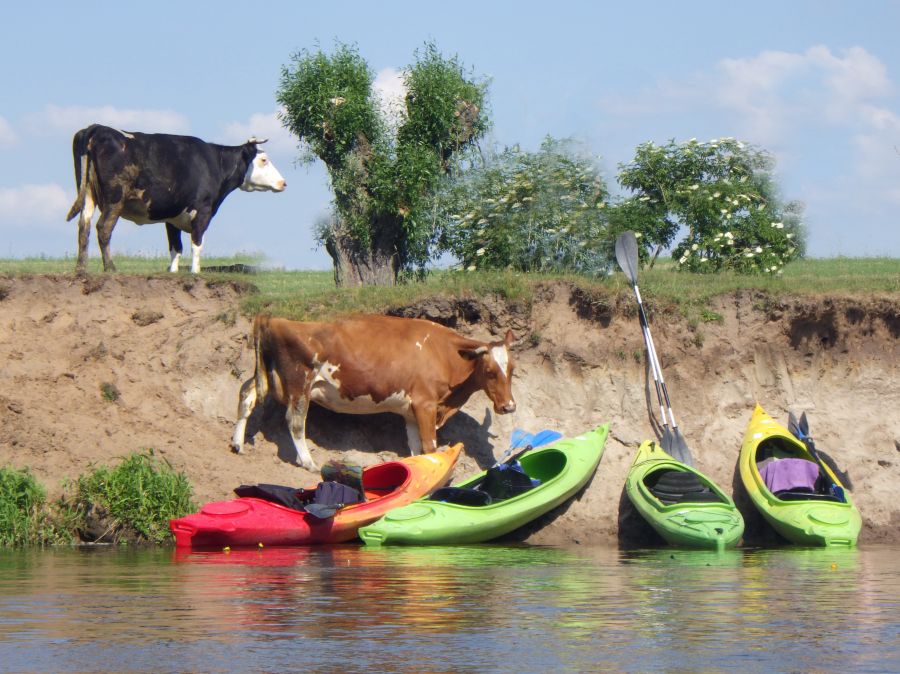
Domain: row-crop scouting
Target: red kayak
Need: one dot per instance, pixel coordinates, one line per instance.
(250, 521)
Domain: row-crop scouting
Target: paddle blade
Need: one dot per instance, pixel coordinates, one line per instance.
(794, 426)
(627, 255)
(519, 438)
(545, 437)
(804, 425)
(680, 450)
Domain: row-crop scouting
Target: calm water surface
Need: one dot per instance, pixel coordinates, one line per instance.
(450, 609)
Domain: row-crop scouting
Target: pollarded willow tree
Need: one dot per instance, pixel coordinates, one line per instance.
(383, 175)
(722, 194)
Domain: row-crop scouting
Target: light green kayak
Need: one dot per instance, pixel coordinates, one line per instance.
(562, 468)
(682, 504)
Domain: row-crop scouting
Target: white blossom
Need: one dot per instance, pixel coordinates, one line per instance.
(479, 252)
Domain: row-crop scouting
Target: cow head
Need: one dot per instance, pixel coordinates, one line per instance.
(261, 173)
(493, 370)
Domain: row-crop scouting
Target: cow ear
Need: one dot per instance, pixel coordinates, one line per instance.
(472, 354)
(510, 338)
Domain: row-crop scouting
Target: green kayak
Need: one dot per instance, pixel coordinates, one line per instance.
(682, 504)
(476, 511)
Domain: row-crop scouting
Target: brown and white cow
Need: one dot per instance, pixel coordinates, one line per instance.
(418, 369)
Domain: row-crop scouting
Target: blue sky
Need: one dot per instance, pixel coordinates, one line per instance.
(815, 83)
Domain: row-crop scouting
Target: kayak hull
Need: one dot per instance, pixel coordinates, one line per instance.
(563, 467)
(251, 522)
(713, 524)
(813, 522)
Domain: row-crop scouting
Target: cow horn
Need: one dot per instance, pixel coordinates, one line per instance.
(257, 141)
(473, 353)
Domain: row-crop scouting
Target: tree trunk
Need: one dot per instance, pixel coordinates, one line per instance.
(356, 267)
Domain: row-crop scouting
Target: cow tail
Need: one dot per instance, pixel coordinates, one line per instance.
(262, 376)
(82, 169)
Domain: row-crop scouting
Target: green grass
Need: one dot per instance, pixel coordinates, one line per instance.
(24, 516)
(308, 295)
(137, 498)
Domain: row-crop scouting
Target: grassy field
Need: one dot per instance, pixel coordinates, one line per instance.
(311, 294)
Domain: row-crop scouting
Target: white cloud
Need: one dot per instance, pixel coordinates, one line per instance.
(262, 125)
(7, 135)
(30, 204)
(390, 87)
(775, 93)
(68, 119)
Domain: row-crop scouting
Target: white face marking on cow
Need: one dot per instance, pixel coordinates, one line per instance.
(262, 175)
(501, 356)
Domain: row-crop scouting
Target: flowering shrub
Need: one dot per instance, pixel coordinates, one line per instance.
(721, 194)
(541, 211)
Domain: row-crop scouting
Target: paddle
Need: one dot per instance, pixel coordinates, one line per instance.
(672, 441)
(522, 441)
(800, 430)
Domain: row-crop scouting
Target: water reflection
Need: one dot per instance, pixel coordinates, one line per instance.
(461, 609)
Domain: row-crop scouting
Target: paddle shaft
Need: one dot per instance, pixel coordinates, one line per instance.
(801, 431)
(662, 392)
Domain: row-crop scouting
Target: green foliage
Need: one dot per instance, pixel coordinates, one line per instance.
(24, 518)
(722, 193)
(542, 211)
(140, 496)
(383, 175)
(109, 392)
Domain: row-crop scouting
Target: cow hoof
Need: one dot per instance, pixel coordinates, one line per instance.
(237, 449)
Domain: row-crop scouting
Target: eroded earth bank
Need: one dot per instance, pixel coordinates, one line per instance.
(94, 369)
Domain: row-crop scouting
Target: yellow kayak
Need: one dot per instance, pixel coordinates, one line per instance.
(800, 497)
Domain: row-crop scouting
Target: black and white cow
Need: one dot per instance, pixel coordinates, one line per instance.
(157, 177)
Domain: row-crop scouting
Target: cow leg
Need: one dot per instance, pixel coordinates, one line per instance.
(105, 226)
(84, 230)
(426, 425)
(198, 229)
(246, 403)
(296, 420)
(175, 247)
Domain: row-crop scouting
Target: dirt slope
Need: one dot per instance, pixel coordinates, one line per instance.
(173, 352)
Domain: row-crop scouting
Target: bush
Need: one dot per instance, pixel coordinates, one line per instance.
(529, 211)
(132, 502)
(722, 194)
(24, 518)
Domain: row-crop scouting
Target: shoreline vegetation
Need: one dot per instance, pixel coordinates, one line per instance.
(132, 501)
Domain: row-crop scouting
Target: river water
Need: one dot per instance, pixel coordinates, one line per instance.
(450, 609)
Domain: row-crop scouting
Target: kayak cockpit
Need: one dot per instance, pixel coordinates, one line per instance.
(790, 475)
(672, 486)
(506, 480)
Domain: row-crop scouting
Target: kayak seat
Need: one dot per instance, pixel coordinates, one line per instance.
(678, 486)
(461, 496)
(506, 480)
(805, 495)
